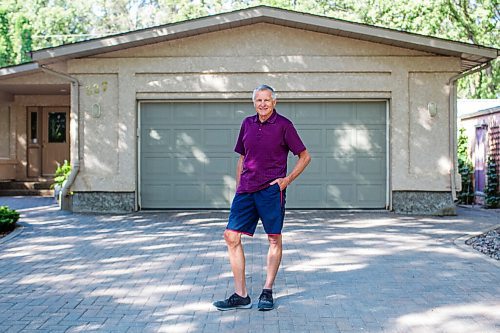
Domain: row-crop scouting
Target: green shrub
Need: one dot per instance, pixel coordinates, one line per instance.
(8, 218)
(492, 194)
(62, 173)
(466, 170)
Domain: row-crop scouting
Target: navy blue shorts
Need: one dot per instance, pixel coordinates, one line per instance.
(267, 204)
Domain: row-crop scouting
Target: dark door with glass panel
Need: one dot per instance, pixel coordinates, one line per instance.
(55, 141)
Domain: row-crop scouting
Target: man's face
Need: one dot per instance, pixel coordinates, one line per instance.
(264, 104)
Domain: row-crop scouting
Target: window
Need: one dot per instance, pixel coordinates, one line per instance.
(34, 127)
(57, 127)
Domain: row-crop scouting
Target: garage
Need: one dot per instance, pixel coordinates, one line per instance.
(186, 157)
(154, 113)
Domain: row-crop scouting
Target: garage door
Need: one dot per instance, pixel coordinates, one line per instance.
(186, 157)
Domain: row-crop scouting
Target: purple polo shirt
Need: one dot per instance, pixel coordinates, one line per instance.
(265, 147)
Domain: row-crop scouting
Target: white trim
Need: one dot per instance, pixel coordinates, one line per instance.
(282, 96)
(388, 196)
(249, 100)
(138, 200)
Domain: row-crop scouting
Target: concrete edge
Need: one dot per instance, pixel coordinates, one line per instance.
(17, 231)
(460, 242)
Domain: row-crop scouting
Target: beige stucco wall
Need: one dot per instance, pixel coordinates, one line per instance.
(299, 64)
(4, 131)
(102, 144)
(429, 162)
(7, 153)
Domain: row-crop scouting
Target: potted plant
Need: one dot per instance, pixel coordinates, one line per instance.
(61, 175)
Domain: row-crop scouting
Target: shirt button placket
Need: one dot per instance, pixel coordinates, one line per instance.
(259, 133)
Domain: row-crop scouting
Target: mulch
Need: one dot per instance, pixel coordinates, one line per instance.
(5, 233)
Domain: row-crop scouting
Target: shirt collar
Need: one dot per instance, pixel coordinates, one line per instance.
(270, 120)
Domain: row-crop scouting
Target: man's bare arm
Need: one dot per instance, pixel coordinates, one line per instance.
(239, 168)
(302, 162)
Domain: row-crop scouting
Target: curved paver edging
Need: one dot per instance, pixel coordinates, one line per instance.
(460, 242)
(16, 232)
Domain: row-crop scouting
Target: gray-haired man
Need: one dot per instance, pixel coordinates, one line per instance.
(264, 142)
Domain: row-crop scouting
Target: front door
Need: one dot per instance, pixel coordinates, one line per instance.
(55, 138)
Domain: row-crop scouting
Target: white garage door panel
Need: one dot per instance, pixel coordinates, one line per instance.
(187, 158)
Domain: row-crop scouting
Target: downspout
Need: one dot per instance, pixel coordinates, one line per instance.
(453, 123)
(75, 116)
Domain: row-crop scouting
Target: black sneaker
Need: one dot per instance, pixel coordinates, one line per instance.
(266, 301)
(235, 301)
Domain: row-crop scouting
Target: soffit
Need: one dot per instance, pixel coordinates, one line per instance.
(23, 71)
(36, 89)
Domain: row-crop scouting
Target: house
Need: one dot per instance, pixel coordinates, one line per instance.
(482, 129)
(149, 118)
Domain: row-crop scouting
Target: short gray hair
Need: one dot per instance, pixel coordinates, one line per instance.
(263, 87)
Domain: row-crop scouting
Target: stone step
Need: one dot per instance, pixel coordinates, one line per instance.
(26, 192)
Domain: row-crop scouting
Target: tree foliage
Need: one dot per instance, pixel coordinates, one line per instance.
(44, 23)
(23, 39)
(6, 50)
(36, 24)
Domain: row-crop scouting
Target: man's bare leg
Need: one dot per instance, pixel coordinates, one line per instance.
(237, 260)
(273, 259)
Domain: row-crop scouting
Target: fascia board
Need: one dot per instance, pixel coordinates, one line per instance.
(19, 69)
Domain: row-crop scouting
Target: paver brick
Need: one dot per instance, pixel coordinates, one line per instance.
(160, 272)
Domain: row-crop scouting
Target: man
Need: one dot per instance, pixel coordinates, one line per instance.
(261, 181)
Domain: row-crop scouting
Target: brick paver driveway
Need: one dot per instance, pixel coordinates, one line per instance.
(159, 272)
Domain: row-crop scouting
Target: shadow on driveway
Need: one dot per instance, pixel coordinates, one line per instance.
(160, 272)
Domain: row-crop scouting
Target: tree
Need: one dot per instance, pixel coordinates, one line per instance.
(23, 38)
(35, 24)
(6, 52)
(477, 22)
(60, 24)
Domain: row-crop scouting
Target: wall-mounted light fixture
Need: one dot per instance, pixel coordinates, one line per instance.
(96, 110)
(432, 108)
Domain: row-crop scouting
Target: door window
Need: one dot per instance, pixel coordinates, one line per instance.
(34, 127)
(57, 127)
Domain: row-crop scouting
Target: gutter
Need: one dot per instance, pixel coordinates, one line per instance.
(453, 123)
(64, 203)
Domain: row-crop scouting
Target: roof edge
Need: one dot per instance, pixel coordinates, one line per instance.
(267, 14)
(492, 110)
(19, 69)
